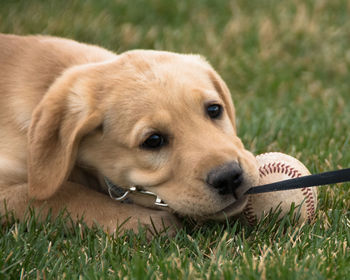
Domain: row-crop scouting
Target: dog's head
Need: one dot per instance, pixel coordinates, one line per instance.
(159, 120)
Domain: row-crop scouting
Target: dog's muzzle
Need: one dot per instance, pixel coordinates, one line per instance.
(134, 193)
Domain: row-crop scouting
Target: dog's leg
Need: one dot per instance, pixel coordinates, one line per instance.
(94, 207)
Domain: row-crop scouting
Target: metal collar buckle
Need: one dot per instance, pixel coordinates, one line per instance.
(113, 189)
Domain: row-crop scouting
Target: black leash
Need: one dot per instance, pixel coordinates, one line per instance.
(326, 178)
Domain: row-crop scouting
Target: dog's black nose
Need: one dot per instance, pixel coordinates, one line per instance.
(226, 178)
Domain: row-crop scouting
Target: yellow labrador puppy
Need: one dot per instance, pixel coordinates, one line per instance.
(73, 114)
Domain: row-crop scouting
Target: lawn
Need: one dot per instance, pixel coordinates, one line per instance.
(287, 64)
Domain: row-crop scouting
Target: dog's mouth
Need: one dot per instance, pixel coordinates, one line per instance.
(231, 210)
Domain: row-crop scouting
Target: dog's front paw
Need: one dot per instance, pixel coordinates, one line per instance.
(157, 222)
(165, 223)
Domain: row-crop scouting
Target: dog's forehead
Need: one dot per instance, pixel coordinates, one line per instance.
(154, 81)
(170, 75)
(162, 66)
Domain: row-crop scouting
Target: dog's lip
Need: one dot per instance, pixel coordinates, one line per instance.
(230, 210)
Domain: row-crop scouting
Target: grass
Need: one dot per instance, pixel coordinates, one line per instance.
(287, 65)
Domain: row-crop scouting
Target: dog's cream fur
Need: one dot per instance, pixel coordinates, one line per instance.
(71, 113)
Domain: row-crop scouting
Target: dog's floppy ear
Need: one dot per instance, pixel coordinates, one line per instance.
(225, 94)
(67, 112)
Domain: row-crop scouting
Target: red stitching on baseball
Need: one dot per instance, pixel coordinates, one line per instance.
(310, 205)
(279, 167)
(248, 212)
(305, 191)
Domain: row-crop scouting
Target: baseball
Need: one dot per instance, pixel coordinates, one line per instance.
(275, 167)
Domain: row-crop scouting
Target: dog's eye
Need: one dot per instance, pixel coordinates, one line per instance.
(155, 141)
(214, 111)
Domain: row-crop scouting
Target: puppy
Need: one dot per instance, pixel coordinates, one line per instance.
(72, 114)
